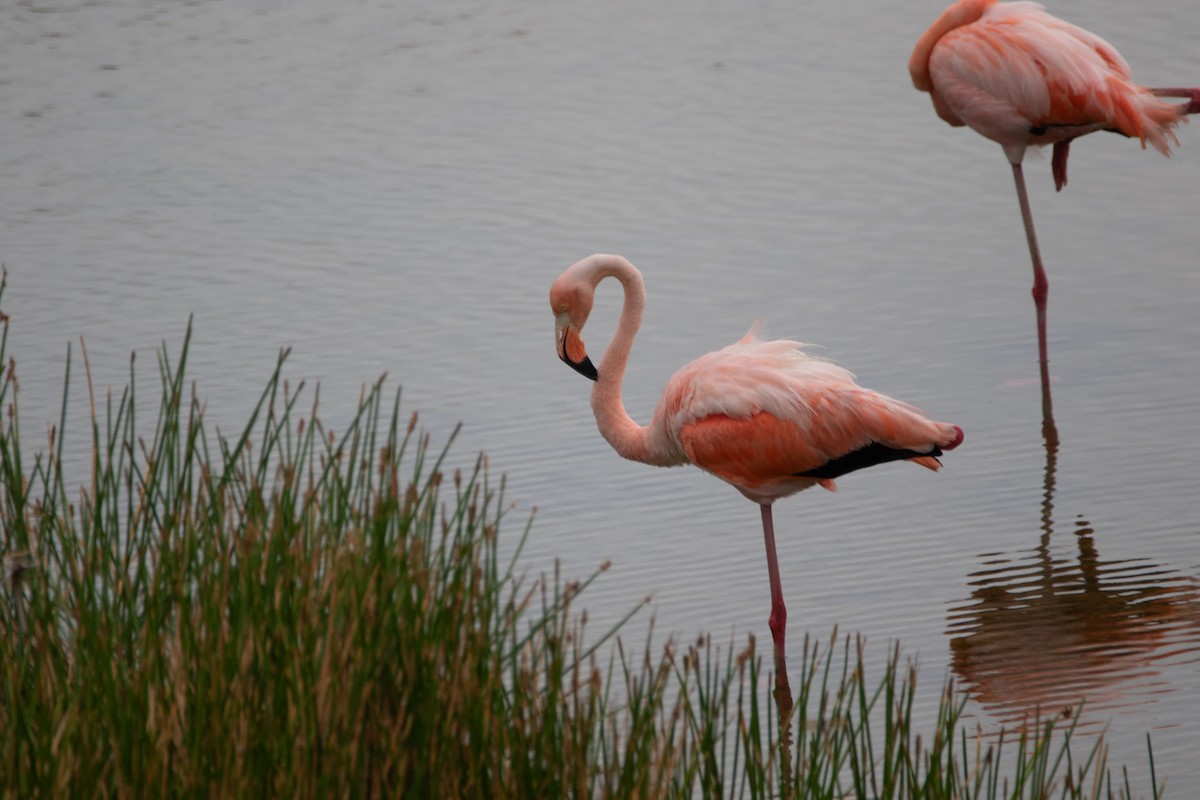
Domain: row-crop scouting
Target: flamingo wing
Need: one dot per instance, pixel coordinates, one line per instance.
(772, 420)
(1017, 72)
(751, 453)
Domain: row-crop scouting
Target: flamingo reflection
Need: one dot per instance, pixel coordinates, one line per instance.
(1049, 628)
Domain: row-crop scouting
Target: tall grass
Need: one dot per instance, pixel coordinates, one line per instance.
(298, 612)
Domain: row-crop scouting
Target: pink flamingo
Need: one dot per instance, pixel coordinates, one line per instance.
(763, 416)
(1022, 77)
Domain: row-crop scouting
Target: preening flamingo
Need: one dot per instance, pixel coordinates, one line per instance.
(764, 416)
(1022, 77)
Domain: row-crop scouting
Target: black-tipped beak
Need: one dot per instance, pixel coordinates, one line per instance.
(584, 367)
(571, 350)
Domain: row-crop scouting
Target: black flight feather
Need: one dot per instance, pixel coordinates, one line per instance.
(867, 456)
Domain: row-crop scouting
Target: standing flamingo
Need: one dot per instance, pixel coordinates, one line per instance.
(1022, 77)
(763, 416)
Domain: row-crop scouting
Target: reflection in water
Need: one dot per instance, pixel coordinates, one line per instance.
(1042, 632)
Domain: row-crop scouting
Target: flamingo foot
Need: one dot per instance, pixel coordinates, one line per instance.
(1191, 95)
(958, 439)
(1058, 164)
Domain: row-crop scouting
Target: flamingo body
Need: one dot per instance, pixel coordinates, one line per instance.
(1021, 77)
(773, 420)
(762, 415)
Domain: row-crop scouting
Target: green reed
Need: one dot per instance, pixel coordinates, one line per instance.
(298, 612)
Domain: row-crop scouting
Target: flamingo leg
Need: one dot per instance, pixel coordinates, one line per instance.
(778, 621)
(1191, 95)
(1041, 286)
(1058, 163)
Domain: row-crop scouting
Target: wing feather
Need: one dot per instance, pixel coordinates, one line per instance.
(1018, 65)
(761, 414)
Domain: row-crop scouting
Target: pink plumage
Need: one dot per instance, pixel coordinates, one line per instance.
(765, 415)
(762, 415)
(1022, 78)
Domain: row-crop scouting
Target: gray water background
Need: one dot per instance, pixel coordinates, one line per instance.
(392, 187)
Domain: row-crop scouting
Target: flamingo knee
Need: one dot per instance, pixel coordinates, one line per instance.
(778, 621)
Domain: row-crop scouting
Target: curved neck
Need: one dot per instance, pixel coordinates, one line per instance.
(629, 439)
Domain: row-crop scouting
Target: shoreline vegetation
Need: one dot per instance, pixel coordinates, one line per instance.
(298, 612)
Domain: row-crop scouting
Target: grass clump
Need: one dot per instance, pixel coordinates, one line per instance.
(294, 612)
(289, 612)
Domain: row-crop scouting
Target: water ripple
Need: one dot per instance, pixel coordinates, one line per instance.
(1057, 625)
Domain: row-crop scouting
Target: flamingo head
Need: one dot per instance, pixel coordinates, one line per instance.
(571, 302)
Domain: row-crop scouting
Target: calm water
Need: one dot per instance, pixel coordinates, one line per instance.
(391, 187)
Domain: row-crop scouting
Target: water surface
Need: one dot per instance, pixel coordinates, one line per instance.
(391, 187)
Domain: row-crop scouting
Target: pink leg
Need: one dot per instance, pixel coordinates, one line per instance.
(778, 619)
(1191, 95)
(1041, 286)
